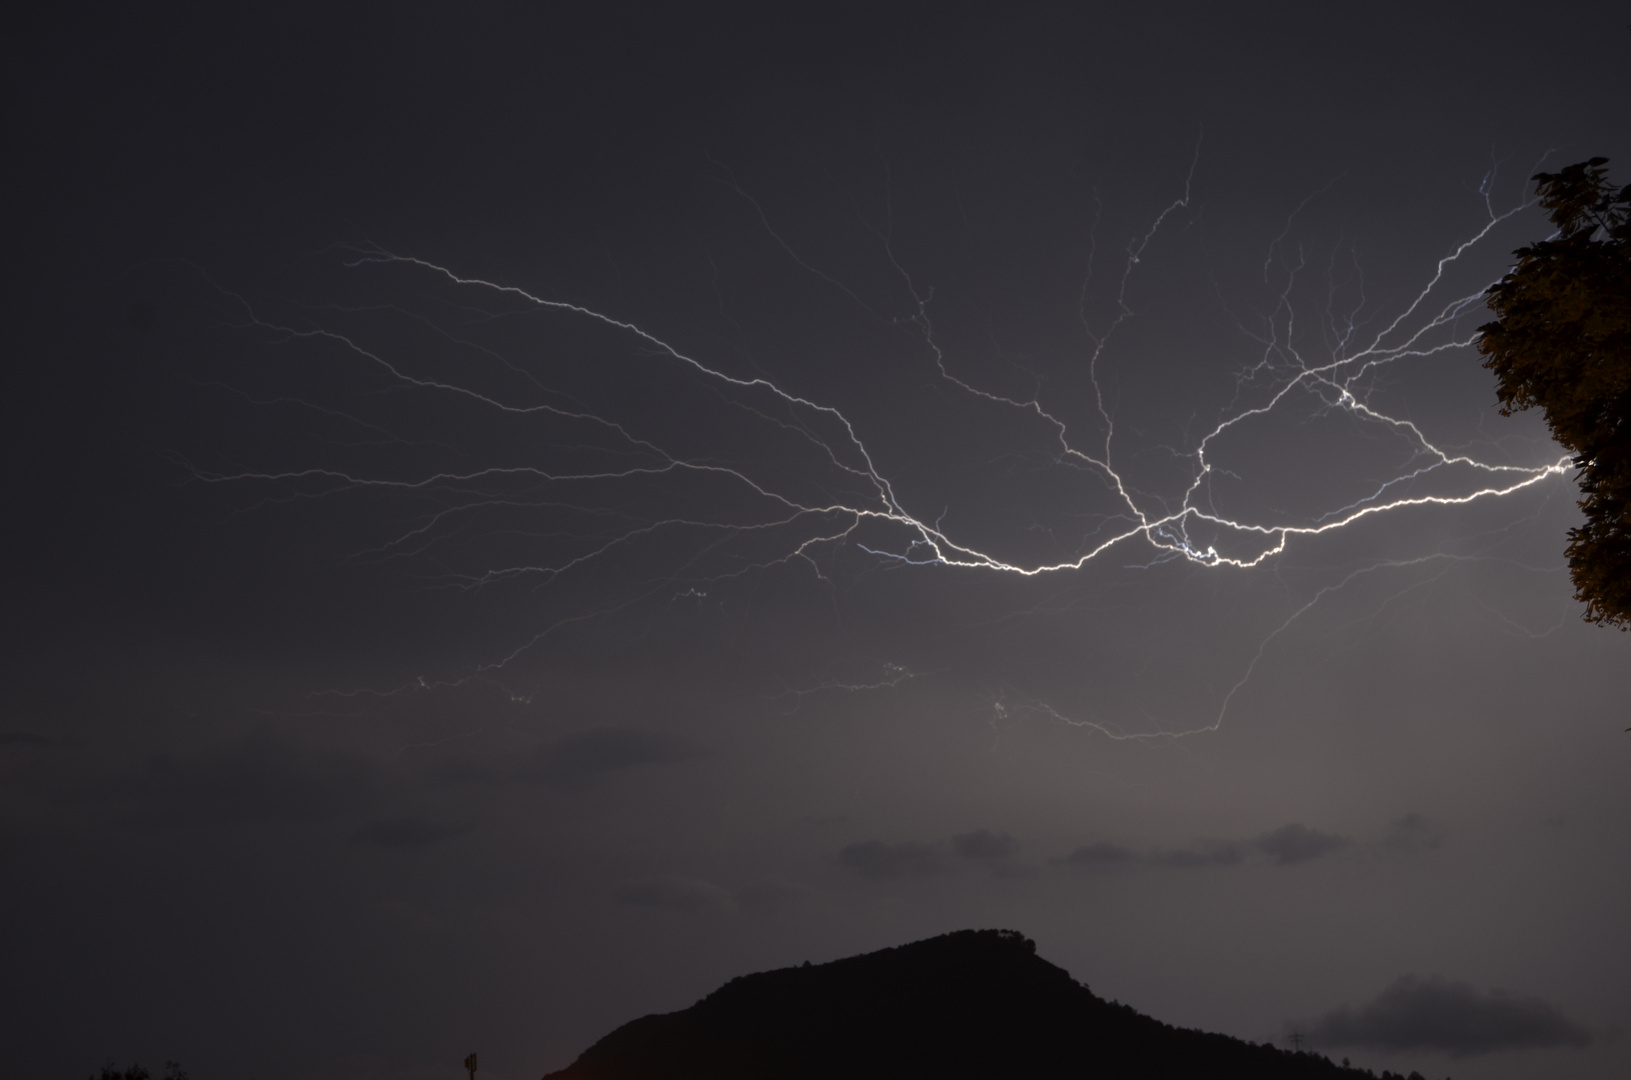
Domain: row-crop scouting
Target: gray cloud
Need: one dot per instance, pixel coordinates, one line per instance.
(457, 770)
(409, 832)
(1013, 871)
(26, 739)
(984, 845)
(670, 893)
(1413, 832)
(1200, 853)
(1101, 854)
(256, 778)
(581, 759)
(1286, 845)
(770, 895)
(877, 860)
(1297, 843)
(1452, 1017)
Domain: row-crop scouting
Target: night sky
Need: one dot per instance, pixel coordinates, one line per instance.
(518, 515)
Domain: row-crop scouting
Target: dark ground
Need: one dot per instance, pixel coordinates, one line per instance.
(975, 1003)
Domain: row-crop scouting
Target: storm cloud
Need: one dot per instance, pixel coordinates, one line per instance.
(584, 758)
(25, 739)
(1101, 854)
(984, 846)
(523, 513)
(878, 861)
(255, 778)
(1285, 846)
(1451, 1017)
(1297, 843)
(1413, 832)
(768, 896)
(409, 832)
(1200, 853)
(669, 892)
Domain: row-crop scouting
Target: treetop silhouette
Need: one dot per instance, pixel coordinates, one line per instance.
(1562, 340)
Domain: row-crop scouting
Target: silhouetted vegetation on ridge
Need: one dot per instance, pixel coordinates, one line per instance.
(1561, 339)
(975, 1003)
(172, 1071)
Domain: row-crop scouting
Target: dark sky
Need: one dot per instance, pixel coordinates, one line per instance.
(519, 515)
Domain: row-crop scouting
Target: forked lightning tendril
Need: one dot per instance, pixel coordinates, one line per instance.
(1185, 527)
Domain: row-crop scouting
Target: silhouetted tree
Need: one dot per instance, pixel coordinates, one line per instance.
(971, 1005)
(1562, 340)
(110, 1071)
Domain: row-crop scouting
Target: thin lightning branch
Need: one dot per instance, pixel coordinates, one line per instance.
(1185, 526)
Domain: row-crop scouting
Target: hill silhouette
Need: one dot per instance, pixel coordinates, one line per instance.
(975, 1003)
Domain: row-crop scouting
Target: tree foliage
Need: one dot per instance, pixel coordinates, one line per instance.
(172, 1071)
(1562, 340)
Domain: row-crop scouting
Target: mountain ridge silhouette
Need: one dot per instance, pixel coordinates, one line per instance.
(973, 1003)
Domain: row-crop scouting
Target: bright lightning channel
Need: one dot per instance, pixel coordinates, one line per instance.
(1426, 327)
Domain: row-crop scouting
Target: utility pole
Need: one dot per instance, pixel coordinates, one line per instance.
(1295, 1039)
(470, 1063)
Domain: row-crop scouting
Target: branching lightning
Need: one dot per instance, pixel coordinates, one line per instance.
(865, 509)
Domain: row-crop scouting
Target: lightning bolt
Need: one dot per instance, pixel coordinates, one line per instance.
(847, 500)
